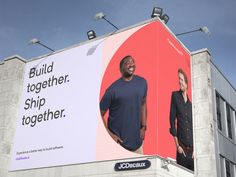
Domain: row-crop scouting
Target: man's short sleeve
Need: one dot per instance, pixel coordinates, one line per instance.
(105, 101)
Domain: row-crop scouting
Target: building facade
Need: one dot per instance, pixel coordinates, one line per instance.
(214, 126)
(224, 98)
(214, 114)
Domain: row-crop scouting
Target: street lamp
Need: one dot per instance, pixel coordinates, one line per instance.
(203, 29)
(36, 41)
(101, 15)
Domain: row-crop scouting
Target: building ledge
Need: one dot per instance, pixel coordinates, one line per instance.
(13, 57)
(200, 51)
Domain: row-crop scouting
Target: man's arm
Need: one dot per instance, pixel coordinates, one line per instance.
(114, 137)
(178, 147)
(103, 117)
(173, 130)
(143, 118)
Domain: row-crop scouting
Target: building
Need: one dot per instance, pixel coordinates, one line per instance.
(225, 118)
(213, 93)
(214, 106)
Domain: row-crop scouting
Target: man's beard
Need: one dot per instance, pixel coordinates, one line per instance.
(127, 74)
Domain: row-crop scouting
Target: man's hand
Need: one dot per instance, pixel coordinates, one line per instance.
(142, 133)
(115, 137)
(180, 150)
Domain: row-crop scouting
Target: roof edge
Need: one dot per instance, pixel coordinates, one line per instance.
(201, 51)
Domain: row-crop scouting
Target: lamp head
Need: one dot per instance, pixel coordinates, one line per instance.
(99, 16)
(156, 12)
(91, 34)
(204, 29)
(34, 41)
(165, 18)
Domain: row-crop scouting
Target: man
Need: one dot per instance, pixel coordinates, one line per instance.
(126, 101)
(181, 110)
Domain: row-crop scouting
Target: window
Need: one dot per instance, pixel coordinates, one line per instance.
(228, 120)
(218, 111)
(234, 170)
(227, 168)
(222, 166)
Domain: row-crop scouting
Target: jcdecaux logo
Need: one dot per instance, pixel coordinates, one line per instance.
(135, 165)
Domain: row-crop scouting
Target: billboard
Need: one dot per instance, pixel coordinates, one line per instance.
(59, 119)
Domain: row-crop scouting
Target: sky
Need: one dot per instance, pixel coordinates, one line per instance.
(63, 23)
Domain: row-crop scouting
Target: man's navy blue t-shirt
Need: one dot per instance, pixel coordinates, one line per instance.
(124, 100)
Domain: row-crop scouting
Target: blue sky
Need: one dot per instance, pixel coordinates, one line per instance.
(62, 23)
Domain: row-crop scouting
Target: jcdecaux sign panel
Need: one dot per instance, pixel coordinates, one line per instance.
(59, 120)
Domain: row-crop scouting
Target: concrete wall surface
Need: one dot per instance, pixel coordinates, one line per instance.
(204, 140)
(11, 80)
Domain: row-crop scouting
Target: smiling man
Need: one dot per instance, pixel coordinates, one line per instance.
(126, 101)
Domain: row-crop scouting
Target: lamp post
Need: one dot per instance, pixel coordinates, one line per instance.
(101, 15)
(203, 29)
(36, 41)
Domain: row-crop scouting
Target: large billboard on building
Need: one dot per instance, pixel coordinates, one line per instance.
(59, 120)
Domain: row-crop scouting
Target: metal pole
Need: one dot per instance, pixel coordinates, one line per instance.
(110, 23)
(188, 32)
(46, 46)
